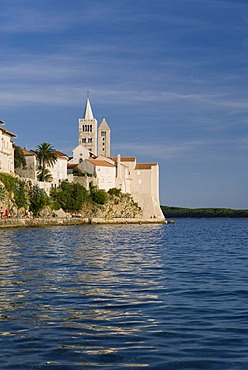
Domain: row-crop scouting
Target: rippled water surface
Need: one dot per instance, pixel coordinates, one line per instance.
(125, 296)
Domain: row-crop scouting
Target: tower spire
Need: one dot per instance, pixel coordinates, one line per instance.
(87, 128)
(88, 114)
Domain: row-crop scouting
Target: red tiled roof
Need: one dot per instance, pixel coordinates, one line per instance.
(100, 162)
(27, 152)
(144, 166)
(32, 152)
(124, 159)
(7, 132)
(70, 166)
(60, 154)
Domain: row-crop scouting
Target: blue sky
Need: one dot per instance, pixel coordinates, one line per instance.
(169, 76)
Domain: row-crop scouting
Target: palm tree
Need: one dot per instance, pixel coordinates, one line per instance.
(46, 156)
(47, 176)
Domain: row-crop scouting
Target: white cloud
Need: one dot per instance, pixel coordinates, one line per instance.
(196, 149)
(34, 18)
(159, 151)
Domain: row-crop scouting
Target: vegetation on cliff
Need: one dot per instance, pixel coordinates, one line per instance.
(69, 196)
(170, 212)
(13, 192)
(18, 196)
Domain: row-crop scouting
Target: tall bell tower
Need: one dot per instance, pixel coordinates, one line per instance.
(87, 129)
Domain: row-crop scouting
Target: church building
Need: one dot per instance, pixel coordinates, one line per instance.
(94, 139)
(93, 156)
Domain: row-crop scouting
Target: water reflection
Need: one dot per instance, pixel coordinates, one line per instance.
(125, 296)
(91, 291)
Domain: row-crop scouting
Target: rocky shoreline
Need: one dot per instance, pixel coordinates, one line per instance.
(44, 222)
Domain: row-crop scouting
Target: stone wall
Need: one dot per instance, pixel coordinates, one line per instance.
(84, 180)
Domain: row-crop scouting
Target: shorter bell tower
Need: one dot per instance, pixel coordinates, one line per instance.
(104, 139)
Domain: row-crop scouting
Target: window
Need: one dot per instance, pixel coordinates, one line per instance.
(90, 128)
(83, 140)
(103, 133)
(90, 140)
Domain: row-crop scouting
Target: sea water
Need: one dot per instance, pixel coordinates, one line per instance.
(125, 296)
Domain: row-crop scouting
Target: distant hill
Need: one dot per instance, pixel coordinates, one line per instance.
(170, 212)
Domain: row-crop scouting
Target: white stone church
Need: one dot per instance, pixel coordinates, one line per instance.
(93, 156)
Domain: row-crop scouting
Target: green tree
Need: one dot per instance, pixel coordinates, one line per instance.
(19, 157)
(38, 200)
(98, 196)
(70, 196)
(46, 175)
(20, 194)
(115, 191)
(46, 156)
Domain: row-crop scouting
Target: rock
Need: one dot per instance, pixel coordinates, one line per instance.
(60, 213)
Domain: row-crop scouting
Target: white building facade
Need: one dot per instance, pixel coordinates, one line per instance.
(103, 170)
(59, 168)
(6, 150)
(141, 180)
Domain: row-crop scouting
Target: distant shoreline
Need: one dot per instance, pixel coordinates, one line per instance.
(45, 222)
(180, 212)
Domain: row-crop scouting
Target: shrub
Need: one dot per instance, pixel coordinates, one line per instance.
(20, 194)
(8, 181)
(99, 196)
(70, 196)
(114, 191)
(13, 186)
(19, 157)
(38, 200)
(55, 205)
